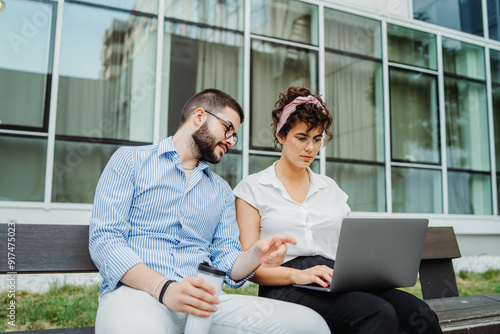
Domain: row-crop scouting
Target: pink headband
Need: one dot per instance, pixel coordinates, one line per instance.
(290, 108)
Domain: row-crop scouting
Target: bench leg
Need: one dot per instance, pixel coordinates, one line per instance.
(438, 279)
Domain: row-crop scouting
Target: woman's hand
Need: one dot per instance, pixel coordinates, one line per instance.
(317, 274)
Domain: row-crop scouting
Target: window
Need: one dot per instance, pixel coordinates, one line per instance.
(411, 47)
(23, 168)
(106, 94)
(285, 19)
(467, 135)
(462, 15)
(354, 93)
(26, 64)
(416, 190)
(203, 48)
(414, 117)
(275, 67)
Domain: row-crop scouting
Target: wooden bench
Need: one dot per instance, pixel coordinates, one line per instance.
(47, 249)
(457, 314)
(43, 249)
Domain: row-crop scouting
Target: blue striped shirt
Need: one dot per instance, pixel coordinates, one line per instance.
(145, 213)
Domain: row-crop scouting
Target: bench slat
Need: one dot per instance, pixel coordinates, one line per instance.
(48, 249)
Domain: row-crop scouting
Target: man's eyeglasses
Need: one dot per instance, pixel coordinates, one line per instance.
(229, 127)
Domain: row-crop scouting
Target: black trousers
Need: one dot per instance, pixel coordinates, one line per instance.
(382, 312)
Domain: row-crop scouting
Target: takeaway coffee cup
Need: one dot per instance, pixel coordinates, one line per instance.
(214, 276)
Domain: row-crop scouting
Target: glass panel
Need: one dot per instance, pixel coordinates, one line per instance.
(22, 167)
(493, 7)
(365, 185)
(215, 13)
(229, 168)
(463, 59)
(495, 66)
(462, 15)
(260, 162)
(25, 62)
(286, 19)
(469, 193)
(147, 6)
(107, 80)
(77, 168)
(352, 33)
(416, 190)
(275, 68)
(466, 125)
(412, 47)
(496, 124)
(196, 59)
(354, 93)
(414, 117)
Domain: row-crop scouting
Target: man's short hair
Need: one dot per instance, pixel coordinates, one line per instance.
(213, 100)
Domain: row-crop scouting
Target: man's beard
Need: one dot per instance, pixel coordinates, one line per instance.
(206, 144)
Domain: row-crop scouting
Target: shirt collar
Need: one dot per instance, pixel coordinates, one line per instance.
(269, 177)
(166, 146)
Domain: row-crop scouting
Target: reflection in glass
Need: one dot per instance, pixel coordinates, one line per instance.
(364, 184)
(354, 95)
(229, 168)
(107, 80)
(414, 117)
(146, 6)
(77, 168)
(194, 59)
(286, 19)
(463, 59)
(22, 167)
(260, 162)
(275, 68)
(495, 66)
(215, 13)
(416, 190)
(352, 34)
(469, 193)
(466, 125)
(25, 62)
(493, 19)
(495, 91)
(411, 47)
(462, 15)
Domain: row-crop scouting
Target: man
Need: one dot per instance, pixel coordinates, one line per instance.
(159, 212)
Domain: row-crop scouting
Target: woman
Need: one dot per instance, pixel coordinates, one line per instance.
(290, 198)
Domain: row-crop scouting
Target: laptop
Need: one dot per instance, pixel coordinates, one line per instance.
(376, 254)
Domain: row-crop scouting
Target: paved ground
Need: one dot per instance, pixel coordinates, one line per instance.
(41, 283)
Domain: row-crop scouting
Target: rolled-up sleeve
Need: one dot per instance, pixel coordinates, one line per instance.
(109, 223)
(226, 247)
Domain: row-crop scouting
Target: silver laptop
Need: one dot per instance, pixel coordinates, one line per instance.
(376, 254)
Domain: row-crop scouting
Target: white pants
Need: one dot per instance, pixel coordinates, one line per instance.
(126, 311)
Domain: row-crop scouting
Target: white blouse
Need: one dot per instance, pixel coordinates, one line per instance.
(314, 223)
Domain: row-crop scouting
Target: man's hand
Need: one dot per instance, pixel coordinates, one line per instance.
(272, 250)
(192, 295)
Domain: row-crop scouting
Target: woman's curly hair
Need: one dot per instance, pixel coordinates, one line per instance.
(308, 113)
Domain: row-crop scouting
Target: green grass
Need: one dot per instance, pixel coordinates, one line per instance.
(75, 306)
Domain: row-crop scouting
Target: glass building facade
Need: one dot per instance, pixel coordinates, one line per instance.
(415, 95)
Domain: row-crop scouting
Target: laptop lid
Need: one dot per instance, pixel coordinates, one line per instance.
(378, 253)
